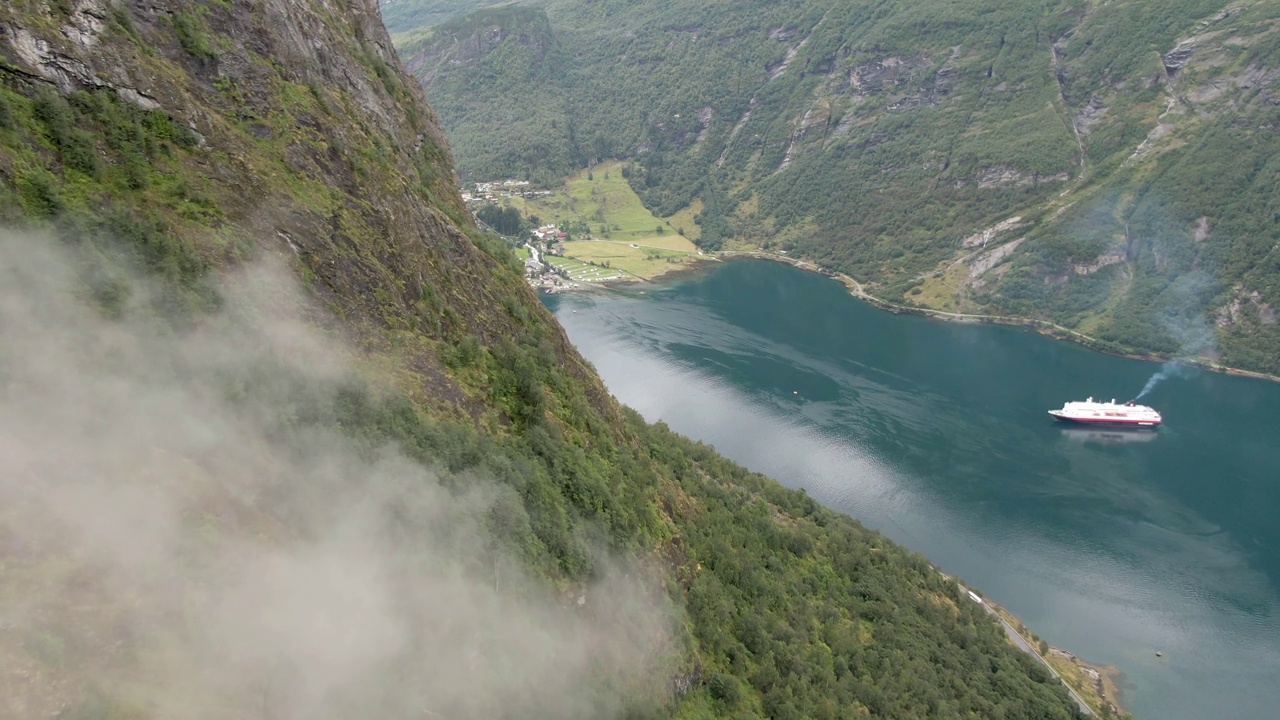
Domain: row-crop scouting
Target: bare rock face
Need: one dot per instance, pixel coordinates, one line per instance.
(1244, 305)
(471, 43)
(1177, 57)
(991, 258)
(311, 140)
(1002, 176)
(993, 233)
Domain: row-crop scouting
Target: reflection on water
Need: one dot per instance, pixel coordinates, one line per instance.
(1111, 542)
(1111, 435)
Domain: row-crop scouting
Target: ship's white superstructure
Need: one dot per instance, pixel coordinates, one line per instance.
(1128, 414)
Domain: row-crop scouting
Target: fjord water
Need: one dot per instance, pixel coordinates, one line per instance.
(1113, 545)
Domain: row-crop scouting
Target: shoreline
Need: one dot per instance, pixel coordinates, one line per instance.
(690, 265)
(1042, 327)
(1096, 688)
(1100, 686)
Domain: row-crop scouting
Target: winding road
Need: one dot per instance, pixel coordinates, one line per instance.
(1027, 647)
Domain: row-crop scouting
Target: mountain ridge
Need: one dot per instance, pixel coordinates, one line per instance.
(399, 488)
(884, 140)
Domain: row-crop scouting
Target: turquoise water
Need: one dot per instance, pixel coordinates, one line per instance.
(1111, 544)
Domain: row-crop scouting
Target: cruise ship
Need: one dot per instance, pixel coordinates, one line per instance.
(1128, 414)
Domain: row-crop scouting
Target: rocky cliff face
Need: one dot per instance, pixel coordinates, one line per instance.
(212, 507)
(286, 126)
(482, 33)
(240, 515)
(1163, 243)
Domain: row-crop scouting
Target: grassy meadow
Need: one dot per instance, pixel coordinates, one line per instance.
(583, 272)
(624, 236)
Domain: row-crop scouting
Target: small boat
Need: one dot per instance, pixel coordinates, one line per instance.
(1128, 414)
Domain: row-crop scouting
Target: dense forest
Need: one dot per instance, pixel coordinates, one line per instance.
(408, 494)
(1129, 146)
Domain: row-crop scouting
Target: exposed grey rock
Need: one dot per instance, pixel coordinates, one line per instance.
(88, 20)
(1177, 57)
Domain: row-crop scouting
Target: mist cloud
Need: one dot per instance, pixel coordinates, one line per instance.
(174, 541)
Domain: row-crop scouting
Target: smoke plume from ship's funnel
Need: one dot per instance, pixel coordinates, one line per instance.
(1168, 370)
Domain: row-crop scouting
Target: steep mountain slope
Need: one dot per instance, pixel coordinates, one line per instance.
(399, 491)
(1173, 248)
(882, 139)
(410, 15)
(515, 63)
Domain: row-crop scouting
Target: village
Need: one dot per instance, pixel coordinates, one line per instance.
(501, 189)
(543, 248)
(547, 269)
(593, 231)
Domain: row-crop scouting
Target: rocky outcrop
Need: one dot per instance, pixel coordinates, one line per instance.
(875, 76)
(979, 265)
(1242, 306)
(993, 233)
(1178, 56)
(1000, 176)
(60, 61)
(1093, 113)
(775, 70)
(1201, 231)
(467, 41)
(280, 94)
(1097, 264)
(704, 126)
(809, 128)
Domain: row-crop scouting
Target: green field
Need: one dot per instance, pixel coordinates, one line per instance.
(683, 220)
(582, 272)
(632, 259)
(633, 241)
(603, 199)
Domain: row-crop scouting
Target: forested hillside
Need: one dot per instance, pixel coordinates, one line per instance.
(287, 436)
(408, 15)
(1107, 167)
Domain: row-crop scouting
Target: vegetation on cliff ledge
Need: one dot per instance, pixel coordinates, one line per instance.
(171, 147)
